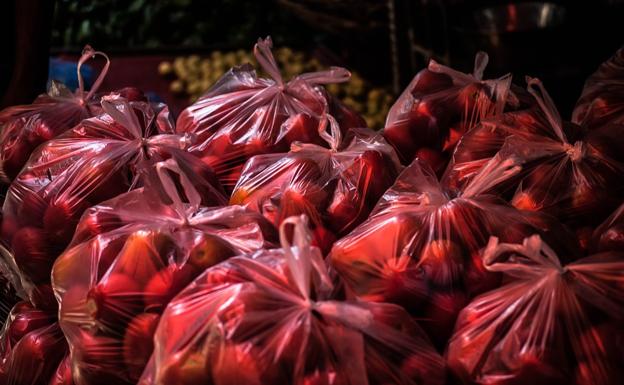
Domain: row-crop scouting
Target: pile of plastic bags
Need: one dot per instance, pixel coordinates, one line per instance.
(267, 237)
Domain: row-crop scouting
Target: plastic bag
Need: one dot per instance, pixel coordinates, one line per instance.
(438, 107)
(27, 126)
(274, 317)
(602, 100)
(129, 257)
(569, 171)
(609, 236)
(63, 374)
(336, 188)
(98, 159)
(243, 115)
(552, 323)
(31, 346)
(420, 248)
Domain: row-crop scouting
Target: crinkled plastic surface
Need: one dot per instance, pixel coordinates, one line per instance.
(336, 188)
(243, 115)
(440, 105)
(31, 346)
(552, 323)
(609, 236)
(570, 171)
(421, 246)
(273, 317)
(27, 126)
(129, 257)
(602, 99)
(95, 161)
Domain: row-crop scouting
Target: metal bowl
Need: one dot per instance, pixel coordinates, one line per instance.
(519, 17)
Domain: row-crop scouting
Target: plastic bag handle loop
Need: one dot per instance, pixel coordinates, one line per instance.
(491, 174)
(170, 188)
(262, 52)
(332, 75)
(334, 136)
(298, 262)
(90, 53)
(533, 248)
(121, 111)
(547, 105)
(481, 61)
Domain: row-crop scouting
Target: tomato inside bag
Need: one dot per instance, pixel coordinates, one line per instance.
(27, 126)
(244, 115)
(32, 346)
(438, 107)
(335, 187)
(130, 256)
(421, 246)
(571, 171)
(551, 323)
(275, 317)
(97, 160)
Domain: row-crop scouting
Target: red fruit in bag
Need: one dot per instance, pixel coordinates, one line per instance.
(98, 360)
(441, 313)
(612, 239)
(114, 301)
(95, 222)
(138, 343)
(433, 158)
(187, 369)
(31, 251)
(277, 318)
(243, 115)
(63, 374)
(31, 208)
(165, 284)
(208, 251)
(428, 81)
(36, 356)
(60, 220)
(442, 262)
(24, 319)
(439, 104)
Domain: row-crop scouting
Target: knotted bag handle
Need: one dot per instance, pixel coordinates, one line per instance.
(90, 53)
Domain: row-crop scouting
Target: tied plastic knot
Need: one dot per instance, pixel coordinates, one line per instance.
(576, 152)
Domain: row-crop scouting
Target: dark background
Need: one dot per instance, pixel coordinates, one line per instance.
(387, 42)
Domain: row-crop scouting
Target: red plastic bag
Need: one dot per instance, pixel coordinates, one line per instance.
(129, 257)
(438, 107)
(31, 346)
(63, 374)
(336, 187)
(243, 115)
(276, 317)
(602, 100)
(27, 126)
(551, 323)
(609, 236)
(421, 246)
(570, 171)
(98, 159)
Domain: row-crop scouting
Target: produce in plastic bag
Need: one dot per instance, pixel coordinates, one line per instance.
(274, 317)
(144, 247)
(95, 161)
(602, 100)
(609, 236)
(420, 248)
(552, 323)
(31, 346)
(27, 126)
(336, 187)
(243, 115)
(63, 374)
(569, 171)
(438, 107)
